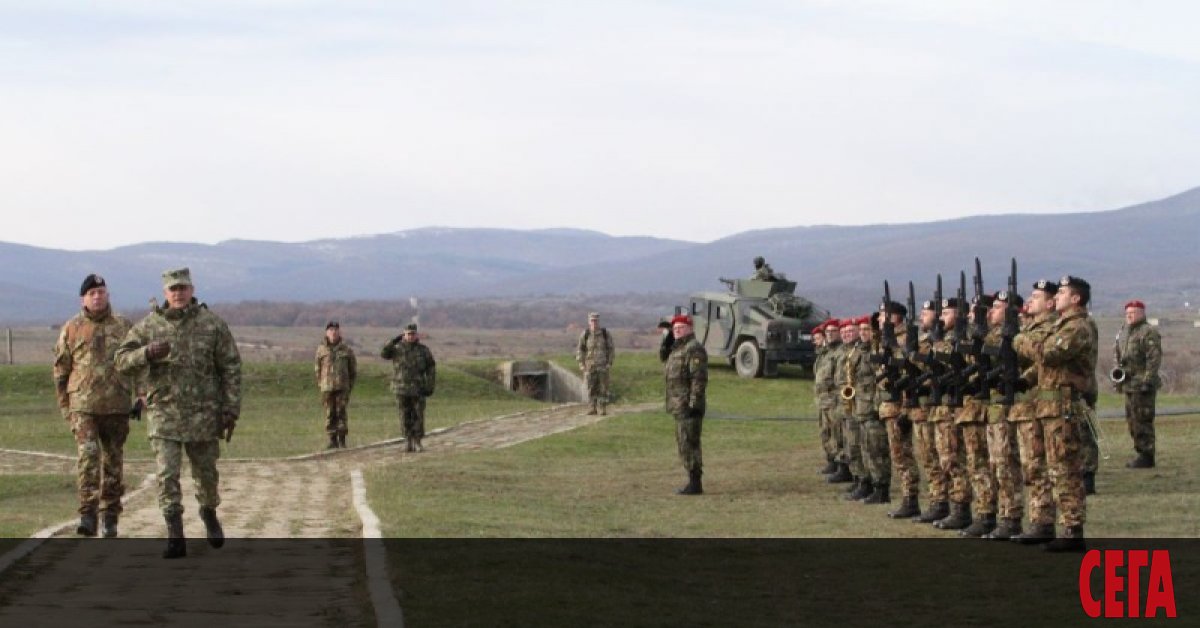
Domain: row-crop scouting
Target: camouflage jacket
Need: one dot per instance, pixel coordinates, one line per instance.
(335, 366)
(686, 374)
(200, 380)
(85, 371)
(414, 371)
(863, 378)
(1066, 359)
(594, 351)
(1140, 348)
(1031, 335)
(823, 377)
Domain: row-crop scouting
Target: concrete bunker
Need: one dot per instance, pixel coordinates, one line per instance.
(542, 380)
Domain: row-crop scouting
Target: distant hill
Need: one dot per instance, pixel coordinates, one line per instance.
(1150, 250)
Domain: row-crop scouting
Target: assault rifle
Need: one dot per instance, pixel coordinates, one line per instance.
(955, 364)
(1006, 377)
(885, 356)
(981, 359)
(911, 382)
(934, 368)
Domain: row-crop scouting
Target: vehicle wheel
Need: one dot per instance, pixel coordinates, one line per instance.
(749, 359)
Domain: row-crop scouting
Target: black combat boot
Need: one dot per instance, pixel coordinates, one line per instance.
(936, 512)
(176, 544)
(408, 443)
(110, 523)
(830, 467)
(855, 490)
(332, 441)
(212, 527)
(880, 495)
(908, 508)
(1143, 461)
(1070, 541)
(1007, 529)
(959, 518)
(982, 525)
(1089, 483)
(342, 440)
(87, 524)
(841, 475)
(1037, 533)
(694, 485)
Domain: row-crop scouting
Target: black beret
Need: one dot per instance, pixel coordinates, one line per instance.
(894, 307)
(1045, 285)
(91, 281)
(950, 303)
(1071, 281)
(333, 325)
(985, 299)
(1014, 299)
(410, 327)
(928, 305)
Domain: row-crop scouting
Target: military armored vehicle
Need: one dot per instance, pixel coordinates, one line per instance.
(757, 325)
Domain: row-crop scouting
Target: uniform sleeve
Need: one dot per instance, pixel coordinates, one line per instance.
(228, 363)
(698, 367)
(1067, 344)
(430, 371)
(389, 349)
(1152, 345)
(608, 344)
(581, 349)
(63, 364)
(131, 355)
(317, 366)
(352, 366)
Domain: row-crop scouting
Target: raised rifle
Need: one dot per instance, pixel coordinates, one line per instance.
(934, 368)
(955, 363)
(885, 357)
(910, 382)
(1006, 376)
(981, 358)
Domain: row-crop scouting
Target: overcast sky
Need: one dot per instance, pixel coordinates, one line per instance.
(207, 120)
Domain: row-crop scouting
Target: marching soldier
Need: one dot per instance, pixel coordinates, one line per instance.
(1139, 355)
(414, 376)
(594, 353)
(95, 400)
(686, 375)
(336, 369)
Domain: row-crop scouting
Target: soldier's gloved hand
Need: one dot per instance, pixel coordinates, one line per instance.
(228, 423)
(157, 350)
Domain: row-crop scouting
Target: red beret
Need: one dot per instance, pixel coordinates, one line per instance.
(681, 318)
(833, 322)
(820, 327)
(1135, 303)
(863, 320)
(849, 322)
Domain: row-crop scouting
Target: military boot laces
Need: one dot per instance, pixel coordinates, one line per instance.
(879, 495)
(1037, 533)
(87, 524)
(908, 508)
(110, 524)
(176, 543)
(982, 525)
(1070, 541)
(937, 511)
(959, 518)
(841, 475)
(1143, 461)
(212, 527)
(1007, 529)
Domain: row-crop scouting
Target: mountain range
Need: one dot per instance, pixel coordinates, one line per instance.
(1150, 251)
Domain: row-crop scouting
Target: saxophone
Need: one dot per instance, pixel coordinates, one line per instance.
(847, 392)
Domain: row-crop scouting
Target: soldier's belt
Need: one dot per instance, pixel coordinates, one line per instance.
(1058, 394)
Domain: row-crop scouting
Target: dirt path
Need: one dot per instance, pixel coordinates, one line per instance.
(291, 559)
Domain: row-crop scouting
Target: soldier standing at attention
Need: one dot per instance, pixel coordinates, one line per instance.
(336, 369)
(594, 354)
(875, 455)
(95, 400)
(925, 430)
(1003, 460)
(897, 422)
(835, 353)
(762, 270)
(948, 438)
(193, 375)
(843, 377)
(414, 375)
(971, 420)
(823, 396)
(686, 374)
(1139, 353)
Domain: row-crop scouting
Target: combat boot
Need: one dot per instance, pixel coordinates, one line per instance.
(408, 444)
(176, 543)
(879, 496)
(854, 491)
(87, 524)
(332, 441)
(417, 446)
(110, 524)
(593, 409)
(959, 518)
(1143, 461)
(1007, 529)
(694, 485)
(1089, 483)
(830, 467)
(342, 440)
(1038, 533)
(603, 409)
(982, 525)
(936, 512)
(212, 527)
(908, 508)
(1070, 541)
(842, 474)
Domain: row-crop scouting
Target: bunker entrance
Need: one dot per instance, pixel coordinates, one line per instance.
(542, 380)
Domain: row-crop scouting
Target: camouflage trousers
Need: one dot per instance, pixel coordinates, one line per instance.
(687, 440)
(830, 431)
(951, 459)
(202, 456)
(597, 386)
(852, 451)
(925, 450)
(975, 458)
(1064, 466)
(1031, 447)
(1139, 416)
(412, 415)
(334, 402)
(1005, 464)
(1089, 447)
(875, 455)
(100, 466)
(900, 448)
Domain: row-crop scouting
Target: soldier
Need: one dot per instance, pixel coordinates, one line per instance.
(336, 369)
(897, 422)
(948, 435)
(823, 397)
(843, 380)
(1139, 354)
(866, 412)
(1031, 442)
(925, 429)
(972, 422)
(414, 374)
(686, 374)
(762, 270)
(1065, 361)
(594, 353)
(95, 401)
(828, 401)
(192, 372)
(1003, 459)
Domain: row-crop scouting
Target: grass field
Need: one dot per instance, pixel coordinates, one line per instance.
(31, 502)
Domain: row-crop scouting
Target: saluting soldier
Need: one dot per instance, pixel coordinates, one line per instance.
(336, 370)
(1031, 439)
(595, 354)
(414, 377)
(1139, 353)
(686, 375)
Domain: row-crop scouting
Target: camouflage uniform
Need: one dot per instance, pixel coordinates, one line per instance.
(972, 422)
(874, 449)
(828, 423)
(1031, 441)
(595, 353)
(948, 437)
(852, 435)
(336, 369)
(925, 435)
(190, 394)
(764, 273)
(686, 374)
(414, 376)
(898, 423)
(1003, 460)
(95, 399)
(1140, 348)
(1089, 446)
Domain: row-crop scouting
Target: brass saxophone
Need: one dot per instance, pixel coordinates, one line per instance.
(1117, 374)
(847, 392)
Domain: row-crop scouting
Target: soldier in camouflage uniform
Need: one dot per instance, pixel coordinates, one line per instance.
(594, 353)
(925, 430)
(866, 412)
(948, 436)
(821, 396)
(414, 376)
(897, 422)
(686, 374)
(1139, 353)
(832, 439)
(843, 377)
(1065, 361)
(190, 367)
(336, 369)
(1031, 441)
(95, 399)
(762, 270)
(972, 423)
(1003, 460)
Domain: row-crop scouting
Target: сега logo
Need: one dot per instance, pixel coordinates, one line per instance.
(1159, 588)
